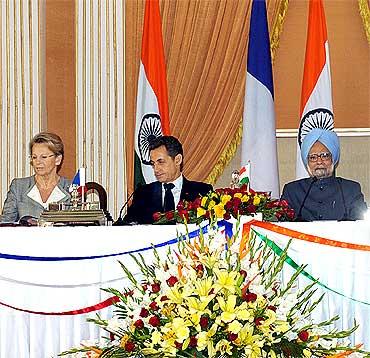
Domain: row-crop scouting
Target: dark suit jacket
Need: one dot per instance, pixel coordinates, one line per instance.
(325, 200)
(147, 199)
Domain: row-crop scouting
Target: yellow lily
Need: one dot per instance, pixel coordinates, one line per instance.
(225, 280)
(228, 308)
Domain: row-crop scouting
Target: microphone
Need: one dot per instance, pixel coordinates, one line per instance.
(119, 221)
(299, 216)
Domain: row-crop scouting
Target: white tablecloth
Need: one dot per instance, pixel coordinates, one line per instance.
(68, 285)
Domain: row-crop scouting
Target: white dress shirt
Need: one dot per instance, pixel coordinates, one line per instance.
(176, 191)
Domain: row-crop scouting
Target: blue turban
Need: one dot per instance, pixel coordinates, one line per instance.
(324, 136)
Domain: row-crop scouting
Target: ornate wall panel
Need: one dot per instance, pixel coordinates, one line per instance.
(100, 96)
(21, 86)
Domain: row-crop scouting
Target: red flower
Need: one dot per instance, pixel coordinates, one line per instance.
(199, 267)
(232, 337)
(180, 205)
(172, 281)
(178, 346)
(228, 205)
(227, 216)
(193, 342)
(251, 209)
(154, 321)
(272, 308)
(139, 324)
(197, 202)
(156, 287)
(144, 312)
(249, 296)
(204, 321)
(258, 321)
(157, 216)
(169, 215)
(243, 273)
(164, 298)
(303, 336)
(129, 346)
(184, 214)
(154, 306)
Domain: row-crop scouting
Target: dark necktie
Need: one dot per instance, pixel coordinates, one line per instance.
(169, 201)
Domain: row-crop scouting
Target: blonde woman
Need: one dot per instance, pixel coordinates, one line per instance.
(31, 195)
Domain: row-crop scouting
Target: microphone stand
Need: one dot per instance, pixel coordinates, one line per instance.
(299, 216)
(119, 221)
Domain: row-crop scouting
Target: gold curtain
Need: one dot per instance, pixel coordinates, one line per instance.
(205, 43)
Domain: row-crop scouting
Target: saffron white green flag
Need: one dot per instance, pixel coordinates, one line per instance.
(259, 132)
(316, 100)
(152, 119)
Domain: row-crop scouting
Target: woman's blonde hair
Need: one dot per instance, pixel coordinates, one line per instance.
(52, 140)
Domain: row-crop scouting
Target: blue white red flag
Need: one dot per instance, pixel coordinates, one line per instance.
(259, 131)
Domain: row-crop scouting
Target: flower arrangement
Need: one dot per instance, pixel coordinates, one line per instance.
(225, 203)
(212, 299)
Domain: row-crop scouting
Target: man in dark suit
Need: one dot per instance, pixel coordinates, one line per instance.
(323, 196)
(166, 156)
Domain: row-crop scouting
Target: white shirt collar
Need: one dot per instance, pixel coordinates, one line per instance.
(55, 196)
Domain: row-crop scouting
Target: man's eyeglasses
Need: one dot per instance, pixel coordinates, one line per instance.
(325, 156)
(42, 157)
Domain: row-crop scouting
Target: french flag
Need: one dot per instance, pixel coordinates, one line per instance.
(259, 131)
(79, 181)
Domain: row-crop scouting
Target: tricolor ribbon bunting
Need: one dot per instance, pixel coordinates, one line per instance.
(247, 229)
(228, 228)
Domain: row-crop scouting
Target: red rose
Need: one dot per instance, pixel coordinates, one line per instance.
(193, 342)
(203, 321)
(199, 267)
(236, 202)
(251, 209)
(243, 273)
(169, 215)
(232, 337)
(284, 203)
(258, 321)
(184, 214)
(154, 321)
(249, 296)
(154, 306)
(129, 346)
(144, 312)
(197, 202)
(180, 205)
(156, 287)
(303, 336)
(228, 205)
(172, 281)
(139, 324)
(157, 216)
(227, 216)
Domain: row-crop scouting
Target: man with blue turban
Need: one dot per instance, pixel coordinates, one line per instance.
(323, 196)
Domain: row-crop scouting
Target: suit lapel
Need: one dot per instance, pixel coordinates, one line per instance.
(157, 197)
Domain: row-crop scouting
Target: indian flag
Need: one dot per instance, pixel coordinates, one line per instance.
(152, 119)
(316, 100)
(259, 132)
